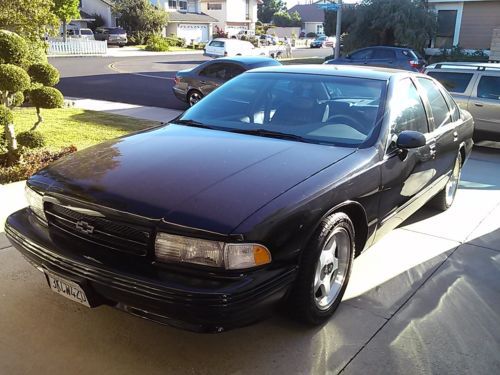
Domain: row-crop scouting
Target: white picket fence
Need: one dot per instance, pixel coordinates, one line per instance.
(78, 47)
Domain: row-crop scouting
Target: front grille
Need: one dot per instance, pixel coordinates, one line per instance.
(100, 231)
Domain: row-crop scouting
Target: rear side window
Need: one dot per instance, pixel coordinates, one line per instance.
(363, 54)
(489, 88)
(407, 110)
(383, 53)
(216, 43)
(453, 82)
(86, 32)
(440, 110)
(117, 30)
(217, 71)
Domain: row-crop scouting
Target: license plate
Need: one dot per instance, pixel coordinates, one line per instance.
(68, 289)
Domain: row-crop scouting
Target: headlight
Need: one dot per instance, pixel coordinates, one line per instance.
(35, 202)
(177, 249)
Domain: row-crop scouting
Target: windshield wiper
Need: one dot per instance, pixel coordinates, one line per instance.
(193, 123)
(272, 134)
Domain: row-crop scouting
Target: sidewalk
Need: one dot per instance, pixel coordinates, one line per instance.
(124, 109)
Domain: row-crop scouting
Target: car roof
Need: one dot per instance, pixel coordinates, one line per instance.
(466, 66)
(388, 47)
(245, 60)
(370, 72)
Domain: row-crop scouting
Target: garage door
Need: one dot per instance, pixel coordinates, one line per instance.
(198, 33)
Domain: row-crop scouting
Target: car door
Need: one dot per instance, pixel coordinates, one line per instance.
(405, 174)
(484, 104)
(211, 77)
(444, 124)
(383, 57)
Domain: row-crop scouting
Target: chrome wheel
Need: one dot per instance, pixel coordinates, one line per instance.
(331, 268)
(194, 98)
(452, 185)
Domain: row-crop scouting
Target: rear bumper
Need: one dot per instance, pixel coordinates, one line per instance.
(209, 306)
(180, 94)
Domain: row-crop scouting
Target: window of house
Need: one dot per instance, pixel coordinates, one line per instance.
(172, 4)
(446, 28)
(440, 110)
(489, 88)
(214, 6)
(183, 5)
(247, 9)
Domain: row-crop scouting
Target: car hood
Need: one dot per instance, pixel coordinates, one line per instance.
(199, 178)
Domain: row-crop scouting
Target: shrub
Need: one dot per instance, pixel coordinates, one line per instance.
(30, 162)
(31, 139)
(157, 43)
(46, 97)
(6, 116)
(13, 78)
(45, 74)
(176, 41)
(311, 35)
(13, 48)
(36, 52)
(17, 99)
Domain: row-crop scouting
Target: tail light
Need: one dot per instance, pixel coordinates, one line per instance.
(225, 53)
(414, 64)
(177, 80)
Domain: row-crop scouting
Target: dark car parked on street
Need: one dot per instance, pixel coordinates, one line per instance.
(383, 56)
(115, 36)
(191, 85)
(262, 193)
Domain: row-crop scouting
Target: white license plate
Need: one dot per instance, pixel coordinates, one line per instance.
(68, 289)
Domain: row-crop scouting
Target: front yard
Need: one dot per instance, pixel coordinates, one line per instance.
(65, 130)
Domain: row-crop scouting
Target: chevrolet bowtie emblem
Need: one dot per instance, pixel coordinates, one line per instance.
(84, 227)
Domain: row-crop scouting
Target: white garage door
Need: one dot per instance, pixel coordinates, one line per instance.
(198, 33)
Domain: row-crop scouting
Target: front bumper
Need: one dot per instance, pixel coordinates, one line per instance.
(188, 302)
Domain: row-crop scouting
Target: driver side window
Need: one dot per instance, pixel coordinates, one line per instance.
(407, 109)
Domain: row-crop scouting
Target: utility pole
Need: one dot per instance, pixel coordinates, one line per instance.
(338, 29)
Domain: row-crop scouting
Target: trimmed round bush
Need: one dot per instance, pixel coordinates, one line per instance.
(6, 116)
(46, 97)
(157, 43)
(31, 139)
(45, 74)
(17, 99)
(13, 48)
(13, 78)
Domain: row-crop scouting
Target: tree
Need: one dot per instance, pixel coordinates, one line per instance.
(66, 10)
(30, 18)
(268, 8)
(348, 18)
(284, 19)
(14, 80)
(140, 18)
(391, 22)
(98, 22)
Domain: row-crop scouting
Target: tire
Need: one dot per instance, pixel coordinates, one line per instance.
(311, 302)
(193, 97)
(445, 198)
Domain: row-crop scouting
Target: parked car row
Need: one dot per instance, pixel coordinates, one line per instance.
(115, 36)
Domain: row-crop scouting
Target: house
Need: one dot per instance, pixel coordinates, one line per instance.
(467, 23)
(186, 20)
(313, 17)
(88, 8)
(233, 15)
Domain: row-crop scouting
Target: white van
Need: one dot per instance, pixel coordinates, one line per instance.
(221, 47)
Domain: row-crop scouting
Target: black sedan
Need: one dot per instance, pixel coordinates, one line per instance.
(263, 193)
(191, 85)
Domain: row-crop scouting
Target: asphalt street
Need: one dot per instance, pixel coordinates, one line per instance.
(144, 81)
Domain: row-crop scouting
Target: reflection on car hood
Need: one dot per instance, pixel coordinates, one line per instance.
(195, 177)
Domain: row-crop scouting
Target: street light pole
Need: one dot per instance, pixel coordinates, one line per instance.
(338, 29)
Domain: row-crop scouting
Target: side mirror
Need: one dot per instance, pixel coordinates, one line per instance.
(410, 139)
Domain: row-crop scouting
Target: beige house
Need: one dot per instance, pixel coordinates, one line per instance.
(313, 17)
(187, 20)
(467, 23)
(232, 16)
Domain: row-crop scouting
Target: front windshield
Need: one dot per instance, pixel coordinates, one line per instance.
(312, 108)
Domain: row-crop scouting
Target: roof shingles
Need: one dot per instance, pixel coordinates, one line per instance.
(309, 12)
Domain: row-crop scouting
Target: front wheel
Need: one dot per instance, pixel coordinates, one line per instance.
(194, 97)
(324, 270)
(445, 198)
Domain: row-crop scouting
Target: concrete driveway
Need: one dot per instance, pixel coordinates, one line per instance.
(426, 299)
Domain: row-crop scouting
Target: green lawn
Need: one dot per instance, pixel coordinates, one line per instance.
(71, 126)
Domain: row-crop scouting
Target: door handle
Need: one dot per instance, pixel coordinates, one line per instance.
(455, 136)
(478, 104)
(432, 150)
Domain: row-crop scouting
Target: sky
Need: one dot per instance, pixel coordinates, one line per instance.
(291, 3)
